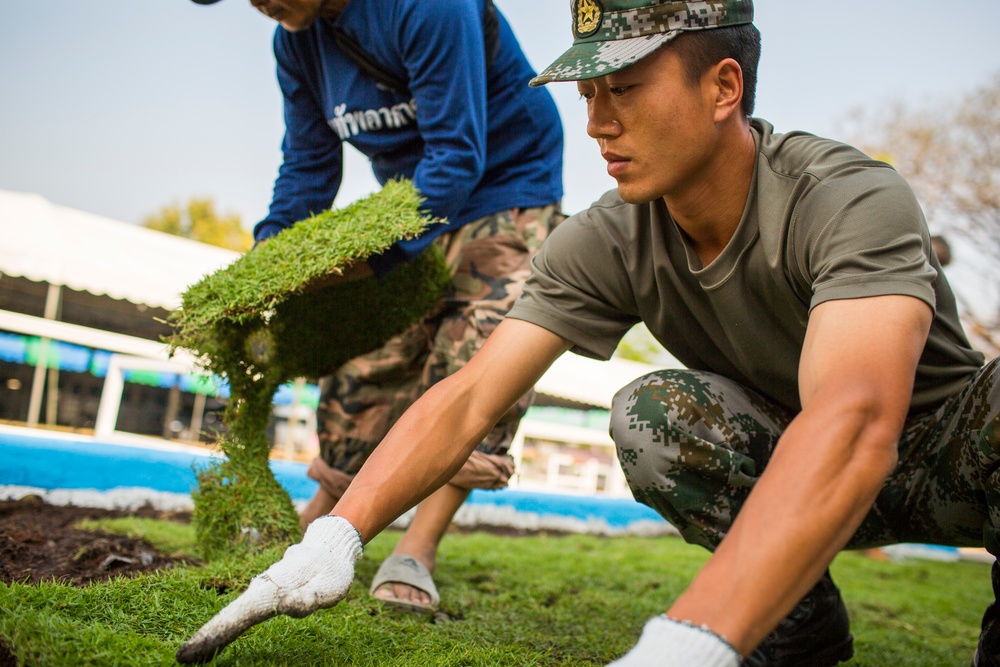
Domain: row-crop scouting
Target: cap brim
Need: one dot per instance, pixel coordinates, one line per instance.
(588, 60)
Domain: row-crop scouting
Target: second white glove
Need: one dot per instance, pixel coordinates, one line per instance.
(669, 643)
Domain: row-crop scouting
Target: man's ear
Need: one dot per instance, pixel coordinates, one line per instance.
(728, 81)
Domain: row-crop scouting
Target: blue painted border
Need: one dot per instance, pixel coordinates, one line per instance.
(81, 463)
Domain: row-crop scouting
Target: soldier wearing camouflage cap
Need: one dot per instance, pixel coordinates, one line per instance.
(830, 398)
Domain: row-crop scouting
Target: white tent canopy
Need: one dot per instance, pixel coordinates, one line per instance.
(45, 242)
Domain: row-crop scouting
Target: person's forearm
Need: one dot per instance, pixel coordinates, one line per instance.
(436, 435)
(812, 497)
(398, 475)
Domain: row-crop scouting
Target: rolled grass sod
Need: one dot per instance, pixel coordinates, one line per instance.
(276, 314)
(540, 600)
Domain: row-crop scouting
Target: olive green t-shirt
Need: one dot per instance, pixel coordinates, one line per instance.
(822, 221)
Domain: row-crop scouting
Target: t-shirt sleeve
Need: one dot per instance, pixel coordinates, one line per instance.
(862, 234)
(579, 290)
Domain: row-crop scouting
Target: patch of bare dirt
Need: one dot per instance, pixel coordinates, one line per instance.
(39, 542)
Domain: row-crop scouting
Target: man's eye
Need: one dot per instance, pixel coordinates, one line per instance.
(586, 96)
(618, 91)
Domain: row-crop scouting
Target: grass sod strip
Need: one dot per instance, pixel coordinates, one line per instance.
(538, 601)
(272, 316)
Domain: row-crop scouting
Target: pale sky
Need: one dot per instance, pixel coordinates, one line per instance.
(119, 107)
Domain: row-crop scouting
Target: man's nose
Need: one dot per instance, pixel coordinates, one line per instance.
(601, 122)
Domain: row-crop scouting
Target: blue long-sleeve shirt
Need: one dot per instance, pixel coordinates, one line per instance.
(474, 141)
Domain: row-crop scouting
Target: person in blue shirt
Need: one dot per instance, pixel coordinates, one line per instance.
(453, 112)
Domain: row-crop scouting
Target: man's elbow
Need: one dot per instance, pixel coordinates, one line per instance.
(877, 448)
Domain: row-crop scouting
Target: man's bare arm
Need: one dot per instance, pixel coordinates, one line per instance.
(438, 432)
(856, 381)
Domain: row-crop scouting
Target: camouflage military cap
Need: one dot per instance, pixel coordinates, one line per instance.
(609, 35)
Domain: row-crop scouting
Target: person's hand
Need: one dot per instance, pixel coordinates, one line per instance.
(313, 574)
(669, 643)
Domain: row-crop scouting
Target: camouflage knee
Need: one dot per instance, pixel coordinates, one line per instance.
(983, 419)
(691, 445)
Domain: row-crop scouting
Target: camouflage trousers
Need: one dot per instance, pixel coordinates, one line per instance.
(490, 261)
(693, 444)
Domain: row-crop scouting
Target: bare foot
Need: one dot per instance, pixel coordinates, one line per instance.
(399, 591)
(421, 540)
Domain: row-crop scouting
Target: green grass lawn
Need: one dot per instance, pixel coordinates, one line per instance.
(518, 601)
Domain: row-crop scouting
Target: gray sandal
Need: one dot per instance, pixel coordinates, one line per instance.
(407, 570)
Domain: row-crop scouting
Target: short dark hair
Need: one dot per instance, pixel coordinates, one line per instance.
(701, 49)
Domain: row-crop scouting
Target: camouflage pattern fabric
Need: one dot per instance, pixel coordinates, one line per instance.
(612, 34)
(692, 445)
(490, 260)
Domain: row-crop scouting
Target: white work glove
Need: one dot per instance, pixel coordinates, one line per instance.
(313, 574)
(669, 643)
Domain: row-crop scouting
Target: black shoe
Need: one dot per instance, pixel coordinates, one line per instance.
(988, 651)
(817, 633)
